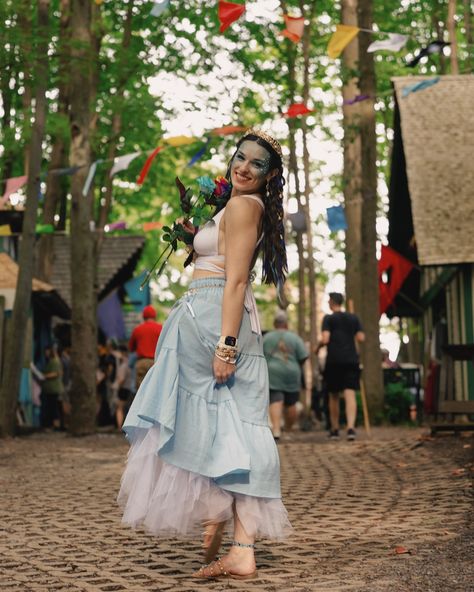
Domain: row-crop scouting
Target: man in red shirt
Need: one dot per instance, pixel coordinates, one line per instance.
(143, 341)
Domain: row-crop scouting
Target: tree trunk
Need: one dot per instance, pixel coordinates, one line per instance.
(25, 26)
(369, 304)
(56, 193)
(469, 36)
(14, 353)
(313, 312)
(451, 25)
(352, 163)
(84, 344)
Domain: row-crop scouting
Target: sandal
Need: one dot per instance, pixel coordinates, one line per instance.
(217, 570)
(214, 545)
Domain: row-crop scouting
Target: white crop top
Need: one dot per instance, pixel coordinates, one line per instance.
(206, 243)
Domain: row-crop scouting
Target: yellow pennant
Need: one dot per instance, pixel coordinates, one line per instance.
(179, 141)
(343, 36)
(5, 230)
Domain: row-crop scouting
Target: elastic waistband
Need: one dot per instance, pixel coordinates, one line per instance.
(207, 282)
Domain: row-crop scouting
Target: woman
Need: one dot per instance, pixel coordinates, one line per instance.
(202, 450)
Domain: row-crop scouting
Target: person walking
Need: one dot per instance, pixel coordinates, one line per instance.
(202, 452)
(285, 353)
(52, 389)
(143, 342)
(341, 331)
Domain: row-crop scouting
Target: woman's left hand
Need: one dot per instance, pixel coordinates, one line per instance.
(222, 370)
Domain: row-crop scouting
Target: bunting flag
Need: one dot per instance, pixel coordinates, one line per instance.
(228, 129)
(343, 36)
(44, 229)
(147, 226)
(5, 230)
(411, 88)
(159, 7)
(393, 269)
(356, 99)
(298, 221)
(115, 226)
(297, 109)
(147, 165)
(433, 47)
(177, 141)
(199, 154)
(294, 28)
(90, 177)
(66, 171)
(229, 12)
(336, 218)
(394, 42)
(12, 186)
(122, 163)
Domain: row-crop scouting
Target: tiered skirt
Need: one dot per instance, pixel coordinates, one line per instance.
(201, 450)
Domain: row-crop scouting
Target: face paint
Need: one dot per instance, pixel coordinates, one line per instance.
(257, 158)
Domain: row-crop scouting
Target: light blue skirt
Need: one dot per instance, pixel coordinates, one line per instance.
(198, 448)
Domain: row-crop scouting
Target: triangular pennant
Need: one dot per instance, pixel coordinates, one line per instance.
(393, 270)
(90, 177)
(5, 230)
(228, 129)
(343, 36)
(122, 163)
(394, 42)
(199, 154)
(336, 218)
(356, 99)
(411, 88)
(294, 28)
(229, 12)
(115, 226)
(176, 141)
(147, 165)
(66, 171)
(12, 186)
(159, 7)
(44, 229)
(433, 47)
(297, 109)
(147, 226)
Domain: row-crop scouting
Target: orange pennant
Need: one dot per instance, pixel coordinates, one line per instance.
(294, 27)
(228, 12)
(147, 226)
(228, 129)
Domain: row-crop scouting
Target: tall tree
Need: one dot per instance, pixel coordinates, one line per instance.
(84, 354)
(369, 304)
(17, 328)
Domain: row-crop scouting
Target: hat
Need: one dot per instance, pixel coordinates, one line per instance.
(149, 312)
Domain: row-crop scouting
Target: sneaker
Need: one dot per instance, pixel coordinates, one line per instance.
(334, 434)
(351, 435)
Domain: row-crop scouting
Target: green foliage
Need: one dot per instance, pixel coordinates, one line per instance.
(397, 402)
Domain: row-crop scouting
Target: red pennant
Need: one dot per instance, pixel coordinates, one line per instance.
(294, 27)
(297, 109)
(228, 12)
(147, 165)
(397, 269)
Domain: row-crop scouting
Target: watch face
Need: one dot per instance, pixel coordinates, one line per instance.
(230, 341)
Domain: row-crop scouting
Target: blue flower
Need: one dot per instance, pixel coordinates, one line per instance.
(206, 185)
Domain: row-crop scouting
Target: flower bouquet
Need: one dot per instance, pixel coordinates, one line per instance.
(197, 210)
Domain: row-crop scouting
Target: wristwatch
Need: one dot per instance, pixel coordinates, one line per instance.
(229, 340)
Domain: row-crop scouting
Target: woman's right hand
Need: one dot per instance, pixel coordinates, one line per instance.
(186, 225)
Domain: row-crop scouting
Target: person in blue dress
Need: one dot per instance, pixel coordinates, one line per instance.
(202, 451)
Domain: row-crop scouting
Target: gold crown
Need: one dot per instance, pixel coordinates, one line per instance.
(273, 143)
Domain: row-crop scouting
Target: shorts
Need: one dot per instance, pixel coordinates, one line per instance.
(288, 398)
(124, 394)
(339, 377)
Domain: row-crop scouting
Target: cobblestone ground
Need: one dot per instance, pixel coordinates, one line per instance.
(352, 505)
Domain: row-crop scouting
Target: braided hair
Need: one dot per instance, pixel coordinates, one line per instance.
(273, 246)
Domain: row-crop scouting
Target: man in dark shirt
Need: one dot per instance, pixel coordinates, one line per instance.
(340, 332)
(143, 341)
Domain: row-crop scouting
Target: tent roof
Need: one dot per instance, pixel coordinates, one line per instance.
(437, 126)
(118, 258)
(9, 276)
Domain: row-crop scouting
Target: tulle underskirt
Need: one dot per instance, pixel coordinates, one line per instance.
(165, 499)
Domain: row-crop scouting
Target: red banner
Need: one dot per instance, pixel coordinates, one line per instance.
(393, 270)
